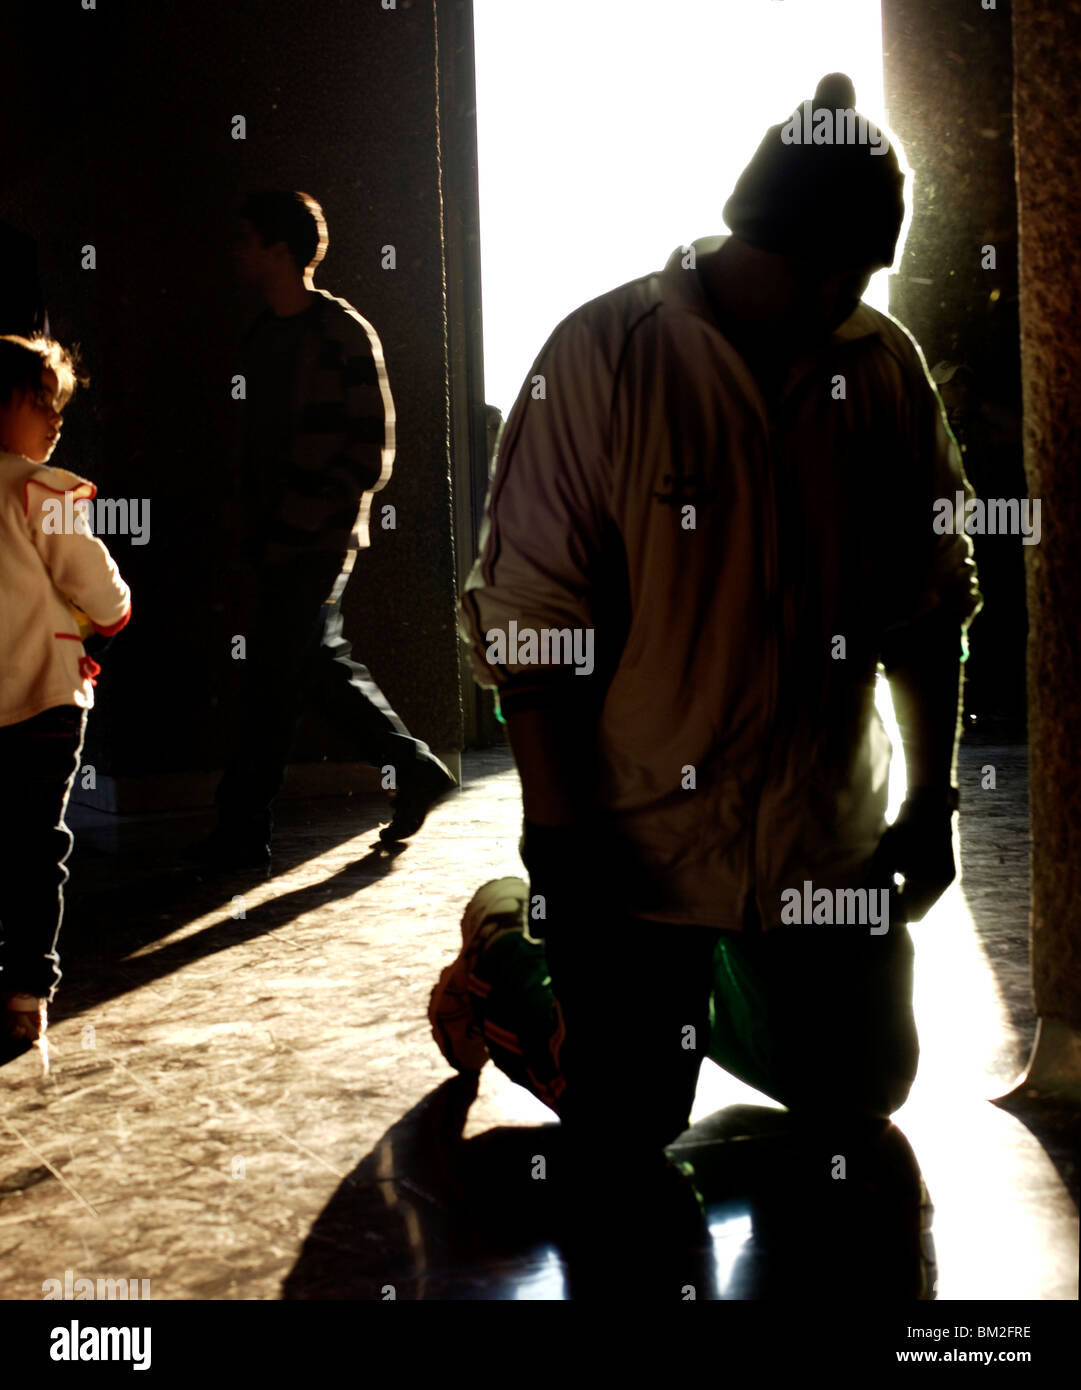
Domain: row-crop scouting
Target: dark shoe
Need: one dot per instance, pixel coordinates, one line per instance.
(225, 849)
(421, 785)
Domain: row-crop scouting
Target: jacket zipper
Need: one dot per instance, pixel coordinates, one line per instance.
(778, 489)
(775, 617)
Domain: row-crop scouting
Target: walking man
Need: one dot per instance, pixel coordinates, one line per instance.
(319, 441)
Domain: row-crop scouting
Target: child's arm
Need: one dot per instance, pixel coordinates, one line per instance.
(79, 564)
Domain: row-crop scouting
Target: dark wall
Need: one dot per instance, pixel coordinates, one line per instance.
(948, 72)
(117, 133)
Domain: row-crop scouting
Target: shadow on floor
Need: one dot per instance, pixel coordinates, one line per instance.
(124, 918)
(131, 886)
(995, 848)
(428, 1216)
(1056, 1124)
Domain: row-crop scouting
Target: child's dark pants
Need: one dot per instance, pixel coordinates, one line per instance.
(40, 757)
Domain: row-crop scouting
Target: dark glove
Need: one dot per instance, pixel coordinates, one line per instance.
(919, 846)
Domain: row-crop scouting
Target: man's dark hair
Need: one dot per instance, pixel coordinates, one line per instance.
(295, 218)
(24, 362)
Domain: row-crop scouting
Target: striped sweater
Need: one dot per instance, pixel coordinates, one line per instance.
(319, 431)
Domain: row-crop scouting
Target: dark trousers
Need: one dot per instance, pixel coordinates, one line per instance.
(40, 758)
(628, 998)
(819, 1018)
(297, 652)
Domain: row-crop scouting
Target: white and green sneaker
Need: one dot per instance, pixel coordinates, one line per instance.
(495, 908)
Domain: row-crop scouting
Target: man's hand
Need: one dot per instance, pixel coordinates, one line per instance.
(923, 666)
(919, 846)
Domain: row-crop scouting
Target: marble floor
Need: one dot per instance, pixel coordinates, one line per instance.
(244, 1100)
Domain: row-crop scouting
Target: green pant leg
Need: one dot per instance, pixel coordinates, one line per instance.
(518, 1015)
(742, 1040)
(817, 1018)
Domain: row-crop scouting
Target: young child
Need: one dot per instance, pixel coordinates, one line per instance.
(51, 567)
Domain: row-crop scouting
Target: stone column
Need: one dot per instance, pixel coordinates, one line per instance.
(1046, 39)
(948, 78)
(986, 326)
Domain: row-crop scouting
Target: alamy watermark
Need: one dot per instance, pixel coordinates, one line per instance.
(546, 646)
(74, 1342)
(823, 126)
(837, 907)
(997, 516)
(78, 1343)
(104, 516)
(74, 1286)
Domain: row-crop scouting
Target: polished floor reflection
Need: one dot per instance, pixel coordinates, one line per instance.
(244, 1100)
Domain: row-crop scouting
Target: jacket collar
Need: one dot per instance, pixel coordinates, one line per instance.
(682, 289)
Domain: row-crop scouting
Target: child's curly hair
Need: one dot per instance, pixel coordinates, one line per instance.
(24, 362)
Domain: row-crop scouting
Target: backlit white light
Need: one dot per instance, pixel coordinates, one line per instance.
(612, 131)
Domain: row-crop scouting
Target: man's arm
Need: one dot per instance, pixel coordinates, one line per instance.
(922, 658)
(554, 749)
(923, 669)
(542, 547)
(343, 449)
(923, 666)
(555, 752)
(371, 426)
(924, 672)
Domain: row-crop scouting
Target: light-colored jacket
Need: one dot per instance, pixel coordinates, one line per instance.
(49, 558)
(742, 570)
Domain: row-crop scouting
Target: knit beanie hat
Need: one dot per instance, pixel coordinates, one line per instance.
(826, 185)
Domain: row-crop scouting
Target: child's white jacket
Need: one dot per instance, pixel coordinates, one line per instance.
(48, 556)
(742, 570)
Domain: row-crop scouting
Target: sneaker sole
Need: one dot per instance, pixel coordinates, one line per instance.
(448, 1005)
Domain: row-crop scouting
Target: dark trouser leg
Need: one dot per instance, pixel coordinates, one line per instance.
(635, 1003)
(40, 758)
(350, 695)
(280, 662)
(819, 1018)
(298, 650)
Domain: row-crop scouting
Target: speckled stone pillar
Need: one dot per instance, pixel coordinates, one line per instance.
(1047, 38)
(948, 79)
